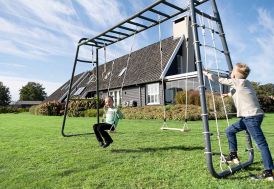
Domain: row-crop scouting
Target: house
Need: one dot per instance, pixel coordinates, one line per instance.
(143, 80)
(25, 104)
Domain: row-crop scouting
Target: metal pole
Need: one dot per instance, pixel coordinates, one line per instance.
(198, 62)
(69, 92)
(222, 34)
(97, 85)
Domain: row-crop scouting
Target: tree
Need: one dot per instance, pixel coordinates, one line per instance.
(4, 95)
(263, 90)
(33, 92)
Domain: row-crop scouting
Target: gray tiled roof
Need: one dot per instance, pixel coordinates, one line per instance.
(144, 67)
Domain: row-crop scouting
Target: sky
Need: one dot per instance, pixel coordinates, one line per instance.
(38, 38)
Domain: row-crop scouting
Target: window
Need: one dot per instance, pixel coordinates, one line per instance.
(116, 95)
(153, 94)
(122, 72)
(180, 64)
(79, 91)
(91, 79)
(107, 75)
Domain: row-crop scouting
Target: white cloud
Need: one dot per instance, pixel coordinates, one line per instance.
(262, 60)
(12, 65)
(16, 83)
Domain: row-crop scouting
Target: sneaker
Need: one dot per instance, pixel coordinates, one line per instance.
(266, 175)
(232, 158)
(107, 143)
(101, 144)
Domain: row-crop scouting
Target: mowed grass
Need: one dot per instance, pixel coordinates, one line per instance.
(33, 154)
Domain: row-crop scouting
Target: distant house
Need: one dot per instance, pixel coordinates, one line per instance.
(25, 104)
(143, 80)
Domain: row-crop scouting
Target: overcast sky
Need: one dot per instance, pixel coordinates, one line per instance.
(38, 37)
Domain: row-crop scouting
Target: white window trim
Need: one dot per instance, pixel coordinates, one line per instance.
(158, 100)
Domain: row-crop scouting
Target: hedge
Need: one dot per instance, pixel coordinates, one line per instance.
(10, 109)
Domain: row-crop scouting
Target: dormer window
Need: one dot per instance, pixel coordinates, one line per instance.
(79, 91)
(91, 79)
(122, 72)
(107, 75)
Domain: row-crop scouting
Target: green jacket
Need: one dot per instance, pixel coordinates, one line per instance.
(113, 115)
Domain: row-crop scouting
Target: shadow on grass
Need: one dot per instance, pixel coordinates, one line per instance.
(157, 149)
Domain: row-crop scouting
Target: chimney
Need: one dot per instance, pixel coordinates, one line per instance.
(182, 26)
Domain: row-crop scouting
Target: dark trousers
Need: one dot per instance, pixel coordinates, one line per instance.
(101, 133)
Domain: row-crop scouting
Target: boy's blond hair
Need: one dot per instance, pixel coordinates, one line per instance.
(242, 70)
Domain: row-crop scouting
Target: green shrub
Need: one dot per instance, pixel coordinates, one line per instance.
(173, 112)
(267, 103)
(8, 109)
(193, 97)
(34, 110)
(228, 101)
(51, 108)
(77, 107)
(93, 112)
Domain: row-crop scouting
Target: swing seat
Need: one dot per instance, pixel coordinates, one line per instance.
(176, 129)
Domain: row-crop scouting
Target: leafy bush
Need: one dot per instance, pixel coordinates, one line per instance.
(34, 110)
(267, 103)
(228, 101)
(193, 97)
(8, 109)
(93, 113)
(173, 112)
(51, 108)
(77, 107)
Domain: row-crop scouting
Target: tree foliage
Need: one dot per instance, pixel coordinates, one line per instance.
(33, 92)
(4, 95)
(263, 90)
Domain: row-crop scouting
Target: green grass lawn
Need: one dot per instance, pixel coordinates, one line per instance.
(34, 155)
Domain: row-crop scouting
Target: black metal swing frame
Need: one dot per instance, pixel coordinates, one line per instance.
(121, 31)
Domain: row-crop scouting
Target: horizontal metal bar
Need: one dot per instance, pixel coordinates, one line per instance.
(85, 61)
(173, 6)
(138, 15)
(206, 15)
(98, 42)
(197, 3)
(120, 33)
(148, 19)
(131, 18)
(160, 13)
(103, 39)
(111, 36)
(137, 24)
(126, 28)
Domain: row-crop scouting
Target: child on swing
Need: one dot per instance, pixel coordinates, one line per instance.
(112, 117)
(250, 114)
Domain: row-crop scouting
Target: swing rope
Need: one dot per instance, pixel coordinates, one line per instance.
(128, 60)
(222, 157)
(162, 69)
(185, 125)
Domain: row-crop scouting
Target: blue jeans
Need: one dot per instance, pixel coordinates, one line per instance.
(253, 125)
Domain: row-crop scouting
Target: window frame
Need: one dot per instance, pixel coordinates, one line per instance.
(153, 94)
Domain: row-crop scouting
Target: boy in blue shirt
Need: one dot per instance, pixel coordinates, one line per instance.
(112, 117)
